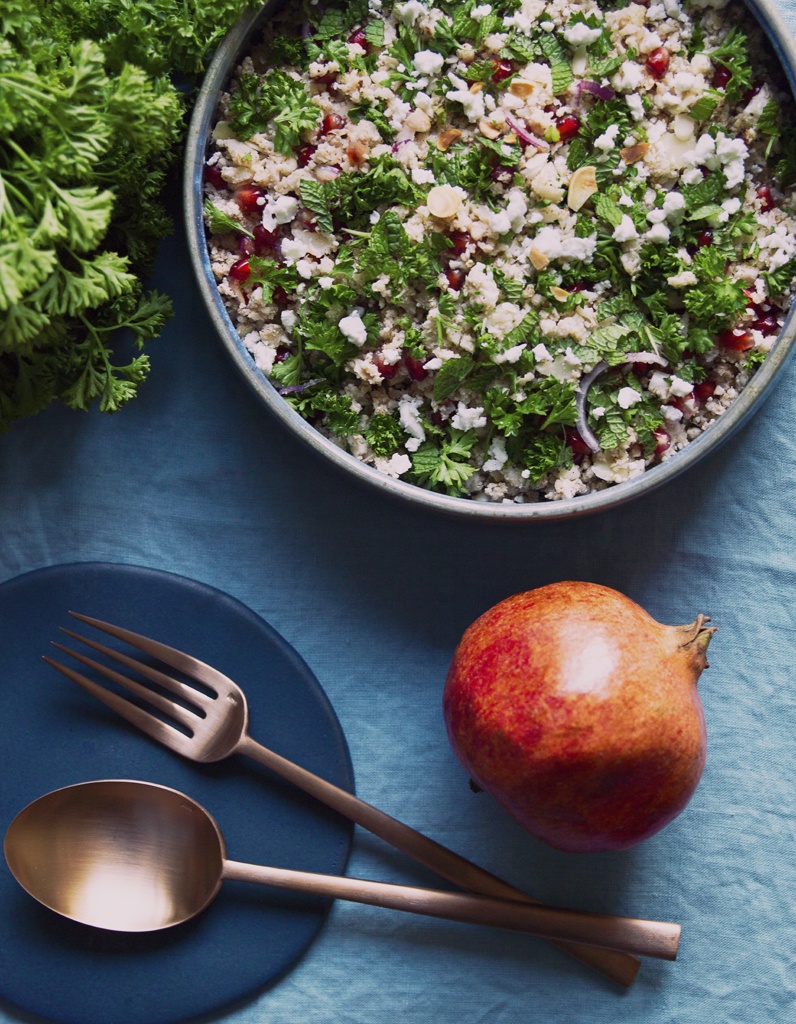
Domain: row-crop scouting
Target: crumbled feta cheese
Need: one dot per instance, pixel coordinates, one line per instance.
(657, 233)
(496, 456)
(398, 464)
(607, 141)
(627, 397)
(280, 210)
(467, 418)
(472, 102)
(353, 328)
(410, 419)
(625, 231)
(581, 35)
(421, 176)
(556, 244)
(427, 62)
(680, 388)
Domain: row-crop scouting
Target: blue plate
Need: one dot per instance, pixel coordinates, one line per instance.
(54, 735)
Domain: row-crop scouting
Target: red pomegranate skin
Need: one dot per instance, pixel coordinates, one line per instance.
(579, 714)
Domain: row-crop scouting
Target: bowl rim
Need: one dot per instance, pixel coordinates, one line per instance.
(230, 50)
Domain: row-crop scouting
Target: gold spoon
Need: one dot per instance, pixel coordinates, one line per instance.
(136, 857)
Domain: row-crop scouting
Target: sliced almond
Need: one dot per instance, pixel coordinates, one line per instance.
(521, 89)
(447, 138)
(491, 129)
(538, 258)
(476, 87)
(443, 201)
(632, 154)
(582, 186)
(510, 139)
(418, 121)
(560, 294)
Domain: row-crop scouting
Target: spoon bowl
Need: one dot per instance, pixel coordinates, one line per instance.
(120, 855)
(136, 857)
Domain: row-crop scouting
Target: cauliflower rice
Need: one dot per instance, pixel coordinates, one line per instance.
(430, 221)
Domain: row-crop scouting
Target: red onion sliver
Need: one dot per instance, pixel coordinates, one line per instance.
(601, 92)
(525, 135)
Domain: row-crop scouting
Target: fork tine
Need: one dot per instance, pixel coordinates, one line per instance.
(185, 691)
(184, 663)
(159, 730)
(179, 713)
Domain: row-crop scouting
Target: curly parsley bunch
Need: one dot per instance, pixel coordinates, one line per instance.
(90, 122)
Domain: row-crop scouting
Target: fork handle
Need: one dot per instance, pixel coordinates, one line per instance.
(620, 967)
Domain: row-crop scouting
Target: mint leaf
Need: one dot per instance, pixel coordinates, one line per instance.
(556, 57)
(220, 223)
(451, 375)
(313, 195)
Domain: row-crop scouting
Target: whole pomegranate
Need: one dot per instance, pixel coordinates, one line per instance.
(579, 714)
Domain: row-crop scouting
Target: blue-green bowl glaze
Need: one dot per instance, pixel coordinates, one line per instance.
(234, 46)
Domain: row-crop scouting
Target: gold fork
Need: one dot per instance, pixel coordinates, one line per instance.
(218, 728)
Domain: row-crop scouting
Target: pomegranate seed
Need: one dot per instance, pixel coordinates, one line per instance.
(704, 390)
(767, 201)
(658, 62)
(767, 325)
(461, 240)
(248, 198)
(455, 278)
(332, 123)
(664, 440)
(387, 370)
(306, 219)
(704, 238)
(503, 70)
(414, 366)
(574, 440)
(736, 338)
(246, 246)
(213, 176)
(684, 403)
(721, 77)
(357, 38)
(280, 296)
(240, 271)
(750, 93)
(568, 127)
(282, 353)
(305, 154)
(264, 240)
(328, 78)
(502, 173)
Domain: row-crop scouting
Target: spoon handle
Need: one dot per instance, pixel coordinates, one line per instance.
(625, 934)
(619, 966)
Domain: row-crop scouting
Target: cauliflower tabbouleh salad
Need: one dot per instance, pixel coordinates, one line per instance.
(431, 219)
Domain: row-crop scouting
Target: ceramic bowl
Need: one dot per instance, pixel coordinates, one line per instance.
(234, 46)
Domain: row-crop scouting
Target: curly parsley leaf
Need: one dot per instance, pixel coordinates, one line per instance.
(733, 54)
(277, 100)
(444, 465)
(384, 435)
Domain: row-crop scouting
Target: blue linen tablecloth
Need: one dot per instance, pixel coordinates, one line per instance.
(195, 478)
